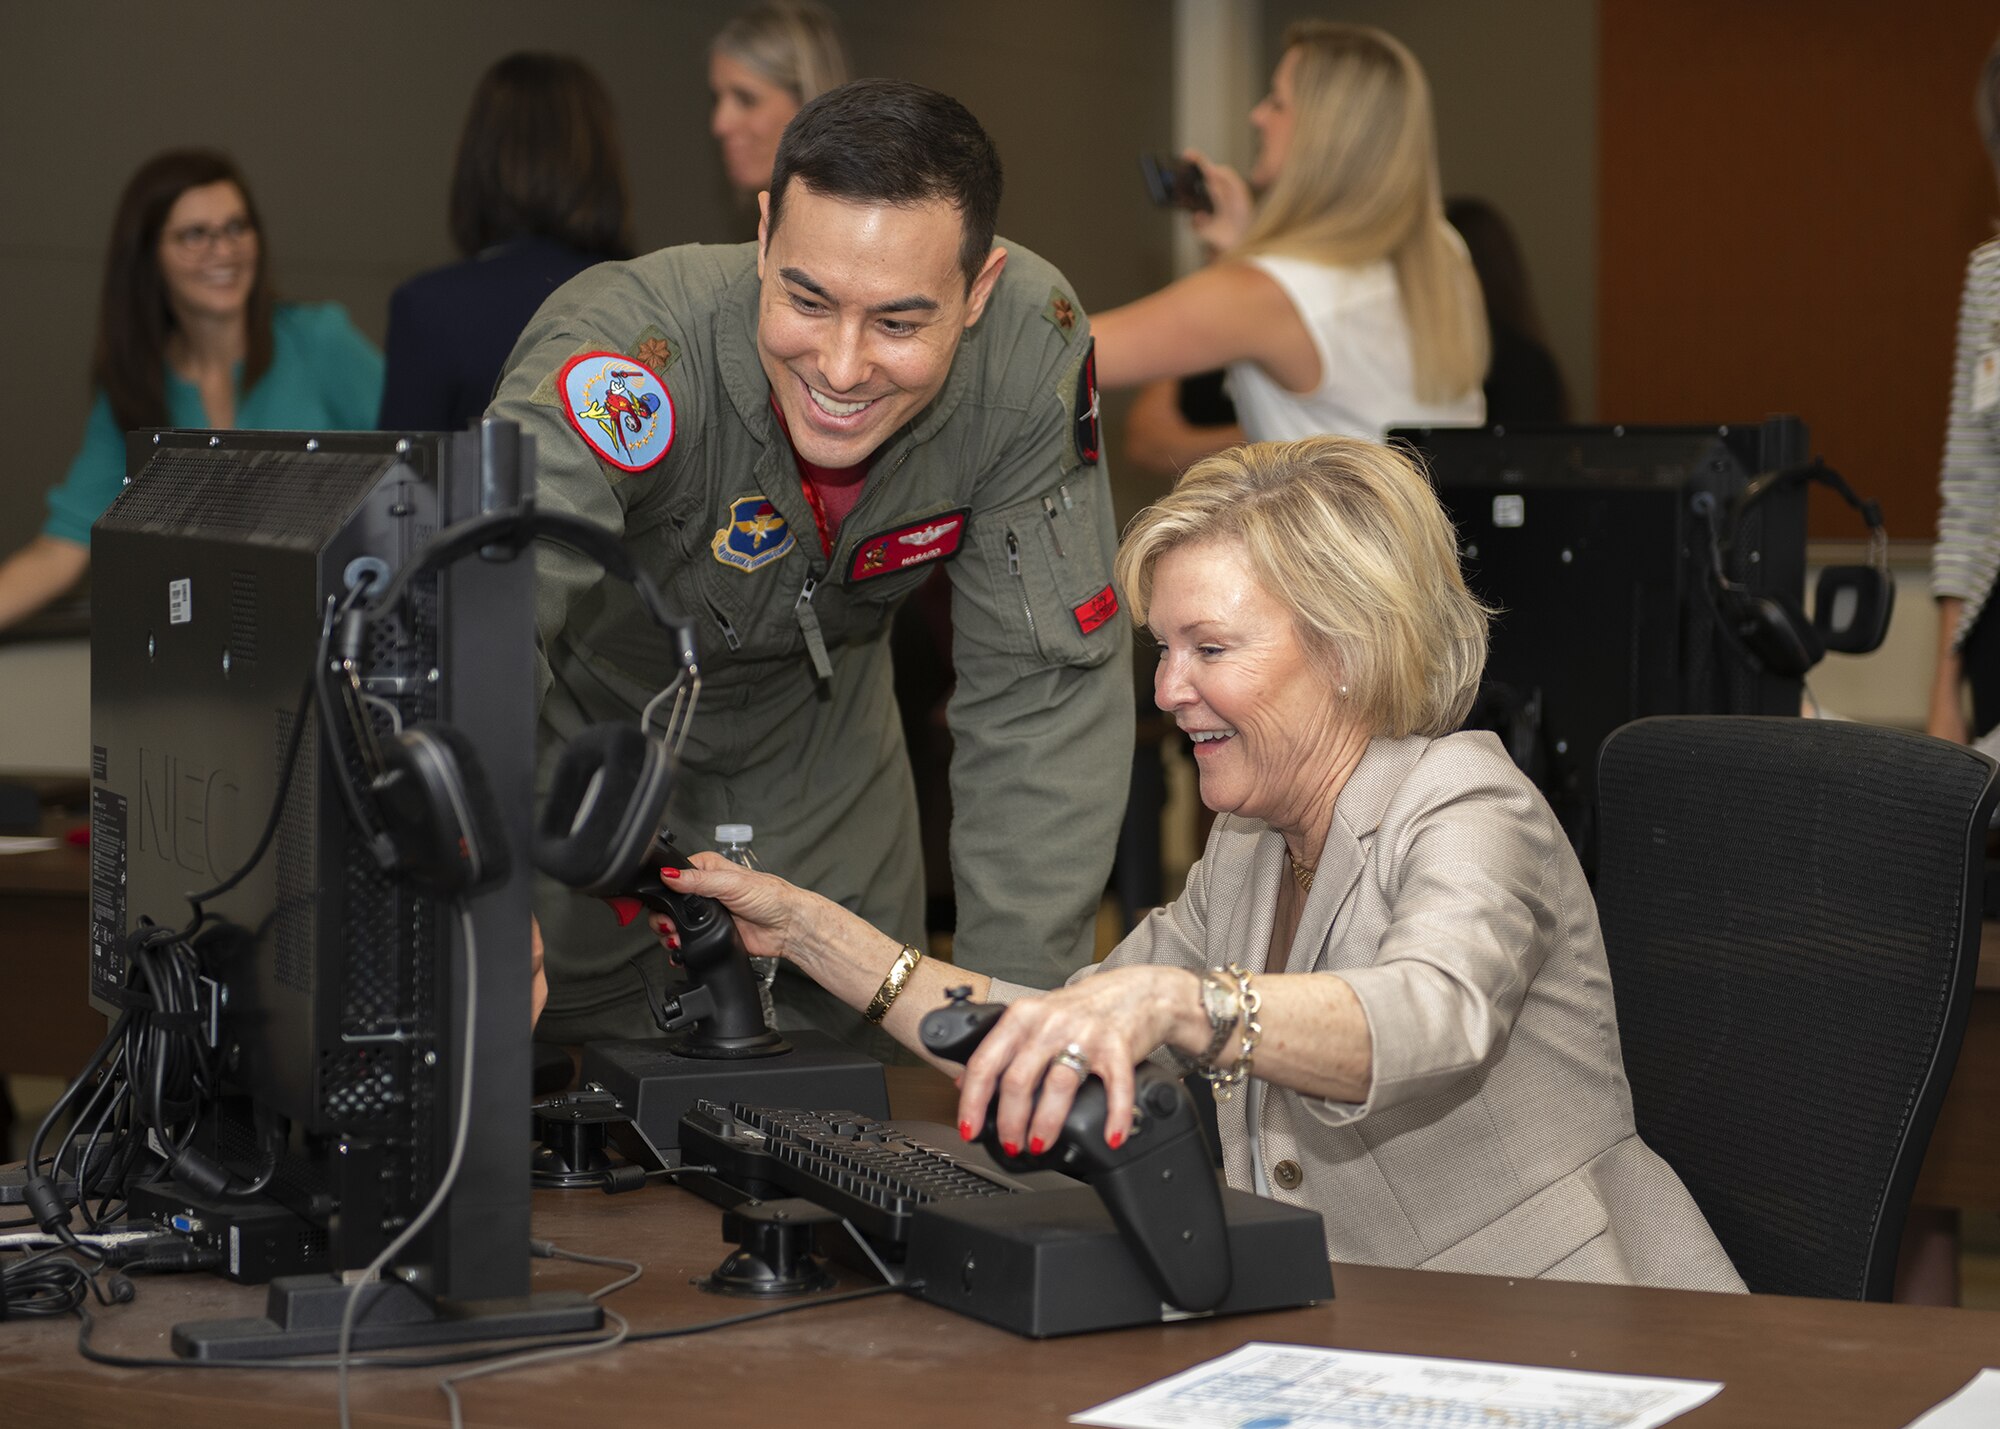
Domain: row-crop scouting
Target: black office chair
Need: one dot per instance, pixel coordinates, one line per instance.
(1791, 911)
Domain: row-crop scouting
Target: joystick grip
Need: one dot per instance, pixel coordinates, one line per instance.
(732, 1019)
(955, 1030)
(1160, 1190)
(1159, 1185)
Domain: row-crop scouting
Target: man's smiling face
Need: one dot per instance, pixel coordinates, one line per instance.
(861, 309)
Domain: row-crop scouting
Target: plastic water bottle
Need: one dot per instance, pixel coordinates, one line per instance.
(733, 842)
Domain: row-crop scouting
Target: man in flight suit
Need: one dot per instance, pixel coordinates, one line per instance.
(788, 436)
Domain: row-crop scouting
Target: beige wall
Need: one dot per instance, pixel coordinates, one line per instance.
(345, 120)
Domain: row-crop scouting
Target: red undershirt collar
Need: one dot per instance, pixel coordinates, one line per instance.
(831, 491)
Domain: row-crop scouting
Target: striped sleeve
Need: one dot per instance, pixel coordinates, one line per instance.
(1967, 555)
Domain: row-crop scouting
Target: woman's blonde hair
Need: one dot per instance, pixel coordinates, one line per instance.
(795, 44)
(1359, 182)
(1349, 537)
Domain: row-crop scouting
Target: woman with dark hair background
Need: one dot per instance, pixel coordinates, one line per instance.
(1523, 382)
(538, 194)
(189, 335)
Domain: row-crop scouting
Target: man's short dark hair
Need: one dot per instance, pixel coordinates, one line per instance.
(888, 141)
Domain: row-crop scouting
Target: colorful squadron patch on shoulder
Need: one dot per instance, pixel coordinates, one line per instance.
(935, 538)
(754, 535)
(619, 406)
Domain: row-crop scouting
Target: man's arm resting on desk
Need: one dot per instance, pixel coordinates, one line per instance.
(38, 573)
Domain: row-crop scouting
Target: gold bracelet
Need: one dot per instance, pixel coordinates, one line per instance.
(892, 985)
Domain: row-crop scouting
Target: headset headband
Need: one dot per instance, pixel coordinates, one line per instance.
(1814, 471)
(513, 529)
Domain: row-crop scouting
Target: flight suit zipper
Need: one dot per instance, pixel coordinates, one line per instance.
(1014, 570)
(802, 610)
(728, 631)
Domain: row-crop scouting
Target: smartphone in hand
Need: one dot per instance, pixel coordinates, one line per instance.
(1175, 182)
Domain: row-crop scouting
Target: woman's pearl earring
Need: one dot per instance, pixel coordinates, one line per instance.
(1343, 692)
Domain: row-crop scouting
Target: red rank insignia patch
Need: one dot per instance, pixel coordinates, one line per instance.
(935, 538)
(1095, 611)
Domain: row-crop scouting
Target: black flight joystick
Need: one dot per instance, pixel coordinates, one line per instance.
(1159, 1185)
(719, 1008)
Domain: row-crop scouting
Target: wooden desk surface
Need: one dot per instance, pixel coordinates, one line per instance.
(895, 1360)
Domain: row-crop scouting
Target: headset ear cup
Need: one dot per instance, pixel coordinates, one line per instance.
(1774, 630)
(440, 812)
(1851, 608)
(604, 805)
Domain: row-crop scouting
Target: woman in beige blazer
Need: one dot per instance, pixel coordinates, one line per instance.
(1387, 961)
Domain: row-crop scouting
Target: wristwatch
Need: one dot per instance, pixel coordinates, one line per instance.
(1224, 1008)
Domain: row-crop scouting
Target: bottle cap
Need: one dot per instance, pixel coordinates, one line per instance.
(732, 833)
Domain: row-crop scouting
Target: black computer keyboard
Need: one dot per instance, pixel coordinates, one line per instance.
(872, 1172)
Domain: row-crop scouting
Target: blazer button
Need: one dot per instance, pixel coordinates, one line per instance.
(1288, 1175)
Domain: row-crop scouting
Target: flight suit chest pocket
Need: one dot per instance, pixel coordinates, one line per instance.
(1051, 576)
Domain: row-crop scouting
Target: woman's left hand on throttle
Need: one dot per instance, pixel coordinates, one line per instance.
(1114, 1018)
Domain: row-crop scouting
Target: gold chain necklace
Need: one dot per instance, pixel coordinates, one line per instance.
(1302, 873)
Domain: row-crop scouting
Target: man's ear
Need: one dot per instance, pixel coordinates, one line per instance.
(763, 229)
(982, 286)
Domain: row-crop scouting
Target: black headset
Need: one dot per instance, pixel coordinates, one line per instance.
(428, 813)
(1851, 604)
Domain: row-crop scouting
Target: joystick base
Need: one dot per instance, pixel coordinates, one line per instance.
(661, 1085)
(1054, 1263)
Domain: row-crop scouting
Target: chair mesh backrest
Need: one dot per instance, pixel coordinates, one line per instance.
(1789, 911)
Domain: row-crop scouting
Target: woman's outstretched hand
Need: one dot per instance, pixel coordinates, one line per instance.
(1113, 1018)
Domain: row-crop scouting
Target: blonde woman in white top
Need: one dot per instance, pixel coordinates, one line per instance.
(1340, 301)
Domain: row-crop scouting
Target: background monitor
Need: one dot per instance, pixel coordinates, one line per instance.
(1590, 543)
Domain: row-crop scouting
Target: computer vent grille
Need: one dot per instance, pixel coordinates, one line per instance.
(292, 938)
(243, 617)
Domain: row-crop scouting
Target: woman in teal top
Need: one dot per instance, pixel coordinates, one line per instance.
(188, 336)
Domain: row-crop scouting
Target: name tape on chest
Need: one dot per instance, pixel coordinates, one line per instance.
(619, 406)
(935, 538)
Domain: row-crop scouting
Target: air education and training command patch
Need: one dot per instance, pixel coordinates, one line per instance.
(620, 408)
(935, 538)
(754, 535)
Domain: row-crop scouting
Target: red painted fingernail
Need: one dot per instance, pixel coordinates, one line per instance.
(1115, 1140)
(1035, 1146)
(1010, 1148)
(670, 873)
(674, 941)
(965, 1131)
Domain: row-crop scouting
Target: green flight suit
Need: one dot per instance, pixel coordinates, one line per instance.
(806, 747)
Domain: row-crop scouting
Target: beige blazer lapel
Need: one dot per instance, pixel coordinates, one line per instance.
(1357, 814)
